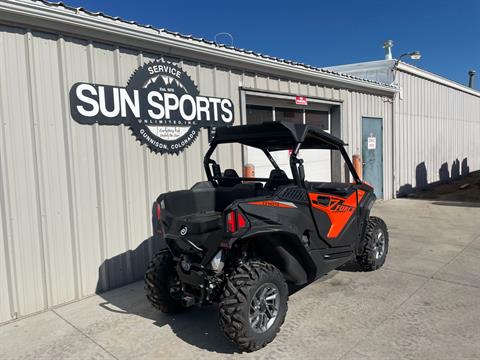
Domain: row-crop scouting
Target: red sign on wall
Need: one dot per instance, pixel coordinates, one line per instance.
(301, 100)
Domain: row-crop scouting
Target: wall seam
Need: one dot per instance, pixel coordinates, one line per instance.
(71, 185)
(7, 211)
(124, 178)
(98, 182)
(37, 164)
(146, 167)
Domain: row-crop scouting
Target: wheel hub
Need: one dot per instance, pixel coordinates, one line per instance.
(379, 248)
(264, 307)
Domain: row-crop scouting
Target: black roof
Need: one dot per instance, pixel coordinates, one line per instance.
(277, 136)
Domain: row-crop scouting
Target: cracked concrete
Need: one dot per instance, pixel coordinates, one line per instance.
(423, 304)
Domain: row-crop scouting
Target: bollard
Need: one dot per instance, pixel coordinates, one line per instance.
(249, 171)
(357, 165)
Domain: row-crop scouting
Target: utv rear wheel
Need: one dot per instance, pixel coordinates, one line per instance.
(374, 245)
(162, 285)
(254, 305)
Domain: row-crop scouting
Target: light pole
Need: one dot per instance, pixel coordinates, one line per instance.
(414, 55)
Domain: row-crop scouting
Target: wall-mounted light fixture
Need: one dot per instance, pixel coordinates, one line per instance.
(414, 55)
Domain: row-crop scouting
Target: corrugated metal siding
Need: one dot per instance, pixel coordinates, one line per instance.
(76, 200)
(436, 130)
(359, 105)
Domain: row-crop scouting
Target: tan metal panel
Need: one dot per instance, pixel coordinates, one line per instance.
(83, 164)
(137, 206)
(206, 85)
(156, 165)
(273, 84)
(302, 89)
(261, 82)
(294, 87)
(437, 124)
(236, 149)
(51, 162)
(222, 88)
(21, 181)
(5, 296)
(194, 155)
(109, 174)
(283, 85)
(176, 165)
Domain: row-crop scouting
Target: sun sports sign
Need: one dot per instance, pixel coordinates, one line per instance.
(161, 105)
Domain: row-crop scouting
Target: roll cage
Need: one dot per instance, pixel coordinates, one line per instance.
(275, 136)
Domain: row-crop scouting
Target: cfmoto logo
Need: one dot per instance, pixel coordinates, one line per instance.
(183, 231)
(339, 206)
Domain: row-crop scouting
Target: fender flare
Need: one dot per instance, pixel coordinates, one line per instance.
(286, 251)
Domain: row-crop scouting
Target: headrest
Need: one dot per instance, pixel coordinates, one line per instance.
(278, 174)
(233, 178)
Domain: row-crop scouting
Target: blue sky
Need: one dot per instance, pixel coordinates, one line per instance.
(324, 33)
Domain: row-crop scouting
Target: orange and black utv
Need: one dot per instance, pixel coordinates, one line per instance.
(243, 242)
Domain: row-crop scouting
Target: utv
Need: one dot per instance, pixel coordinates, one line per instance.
(242, 242)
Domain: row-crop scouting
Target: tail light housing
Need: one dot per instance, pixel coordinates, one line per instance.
(158, 211)
(235, 221)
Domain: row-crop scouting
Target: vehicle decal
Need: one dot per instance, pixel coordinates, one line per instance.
(281, 204)
(339, 210)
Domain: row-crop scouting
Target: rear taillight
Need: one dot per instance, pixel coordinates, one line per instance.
(158, 212)
(235, 221)
(231, 223)
(241, 221)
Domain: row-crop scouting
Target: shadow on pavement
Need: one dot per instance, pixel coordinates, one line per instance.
(457, 203)
(196, 326)
(351, 266)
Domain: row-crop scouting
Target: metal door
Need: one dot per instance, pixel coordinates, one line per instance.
(372, 153)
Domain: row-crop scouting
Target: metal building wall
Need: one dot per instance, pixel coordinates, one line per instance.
(436, 132)
(75, 199)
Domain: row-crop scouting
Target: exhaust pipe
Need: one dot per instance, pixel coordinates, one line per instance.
(471, 78)
(387, 45)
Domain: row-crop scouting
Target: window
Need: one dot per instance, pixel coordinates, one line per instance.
(257, 114)
(317, 118)
(289, 114)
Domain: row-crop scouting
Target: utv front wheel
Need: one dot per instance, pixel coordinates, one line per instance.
(374, 245)
(162, 285)
(254, 305)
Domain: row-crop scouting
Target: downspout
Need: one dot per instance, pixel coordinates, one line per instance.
(394, 165)
(394, 195)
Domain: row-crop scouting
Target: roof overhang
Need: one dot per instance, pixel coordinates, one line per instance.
(364, 66)
(436, 78)
(405, 67)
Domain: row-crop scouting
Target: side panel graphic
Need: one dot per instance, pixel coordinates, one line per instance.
(338, 209)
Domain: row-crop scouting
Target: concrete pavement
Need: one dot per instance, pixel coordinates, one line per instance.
(424, 304)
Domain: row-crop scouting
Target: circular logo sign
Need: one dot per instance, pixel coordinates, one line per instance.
(183, 231)
(161, 104)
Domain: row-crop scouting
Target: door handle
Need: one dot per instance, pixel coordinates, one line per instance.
(323, 200)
